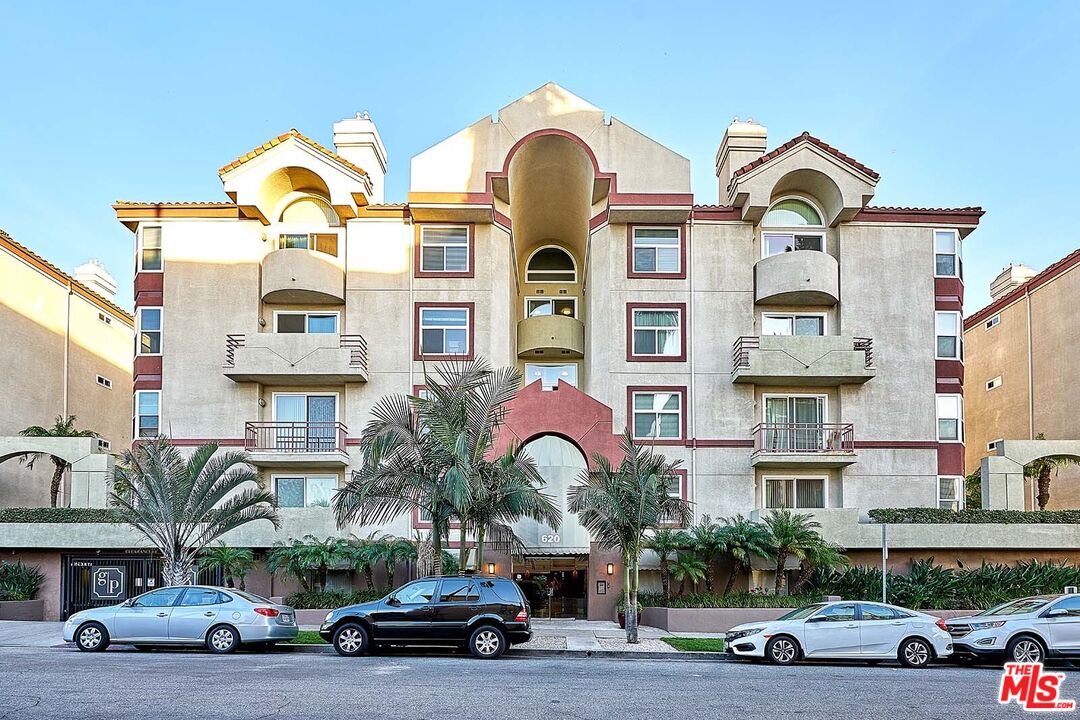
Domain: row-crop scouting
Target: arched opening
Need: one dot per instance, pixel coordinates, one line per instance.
(792, 223)
(550, 264)
(310, 210)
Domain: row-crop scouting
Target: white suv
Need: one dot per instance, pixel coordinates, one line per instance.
(1027, 630)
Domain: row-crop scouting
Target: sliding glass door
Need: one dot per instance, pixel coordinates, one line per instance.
(305, 423)
(793, 423)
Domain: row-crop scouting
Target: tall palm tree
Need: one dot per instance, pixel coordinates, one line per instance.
(234, 563)
(620, 505)
(665, 542)
(821, 554)
(790, 535)
(688, 566)
(706, 541)
(1043, 470)
(302, 558)
(362, 555)
(62, 427)
(183, 505)
(394, 552)
(742, 540)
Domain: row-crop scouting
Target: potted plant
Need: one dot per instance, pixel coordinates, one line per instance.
(19, 583)
(620, 607)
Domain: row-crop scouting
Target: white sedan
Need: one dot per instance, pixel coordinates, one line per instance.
(844, 630)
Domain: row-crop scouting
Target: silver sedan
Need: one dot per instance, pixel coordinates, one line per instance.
(220, 618)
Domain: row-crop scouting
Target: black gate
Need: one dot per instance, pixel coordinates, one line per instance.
(88, 581)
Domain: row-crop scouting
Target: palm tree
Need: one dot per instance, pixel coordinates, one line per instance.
(790, 535)
(361, 555)
(620, 505)
(62, 427)
(707, 541)
(821, 554)
(688, 566)
(1042, 469)
(664, 543)
(742, 540)
(395, 551)
(183, 505)
(300, 558)
(234, 563)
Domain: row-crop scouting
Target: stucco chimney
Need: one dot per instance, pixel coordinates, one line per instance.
(744, 142)
(93, 275)
(357, 140)
(1011, 277)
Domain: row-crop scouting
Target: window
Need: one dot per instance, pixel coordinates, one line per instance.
(800, 228)
(444, 249)
(459, 590)
(790, 492)
(550, 265)
(838, 613)
(310, 211)
(782, 324)
(877, 612)
(1070, 605)
(103, 445)
(104, 318)
(657, 332)
(992, 322)
(950, 418)
(159, 598)
(674, 485)
(147, 413)
(319, 242)
(310, 491)
(104, 382)
(535, 307)
(201, 597)
(444, 331)
(417, 593)
(150, 249)
(306, 322)
(656, 250)
(796, 423)
(947, 257)
(993, 445)
(947, 326)
(657, 415)
(149, 337)
(550, 375)
(951, 493)
(995, 383)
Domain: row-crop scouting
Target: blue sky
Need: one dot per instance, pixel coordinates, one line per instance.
(953, 103)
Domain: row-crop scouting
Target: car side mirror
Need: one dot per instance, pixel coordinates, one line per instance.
(127, 603)
(1057, 612)
(392, 600)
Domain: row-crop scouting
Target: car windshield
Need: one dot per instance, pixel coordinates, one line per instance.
(1018, 607)
(249, 597)
(802, 612)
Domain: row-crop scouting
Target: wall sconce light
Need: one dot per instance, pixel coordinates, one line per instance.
(491, 568)
(611, 568)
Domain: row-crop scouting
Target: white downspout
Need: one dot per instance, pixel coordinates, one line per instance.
(693, 376)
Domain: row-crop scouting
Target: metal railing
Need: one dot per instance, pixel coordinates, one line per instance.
(804, 438)
(740, 351)
(232, 343)
(355, 344)
(295, 437)
(867, 346)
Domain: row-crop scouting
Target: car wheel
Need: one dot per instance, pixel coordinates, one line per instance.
(1025, 649)
(92, 637)
(487, 642)
(350, 640)
(222, 639)
(915, 653)
(782, 650)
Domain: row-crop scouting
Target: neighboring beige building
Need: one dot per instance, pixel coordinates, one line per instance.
(1020, 357)
(66, 350)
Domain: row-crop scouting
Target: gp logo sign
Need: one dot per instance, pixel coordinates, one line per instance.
(1030, 687)
(107, 583)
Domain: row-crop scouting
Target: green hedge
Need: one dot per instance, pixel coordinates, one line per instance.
(59, 515)
(330, 599)
(731, 600)
(972, 516)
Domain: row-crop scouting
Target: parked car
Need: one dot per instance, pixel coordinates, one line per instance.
(222, 619)
(844, 630)
(484, 613)
(1031, 629)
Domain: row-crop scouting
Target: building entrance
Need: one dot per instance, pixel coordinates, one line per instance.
(89, 581)
(556, 586)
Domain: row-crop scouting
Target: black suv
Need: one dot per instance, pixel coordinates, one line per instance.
(484, 613)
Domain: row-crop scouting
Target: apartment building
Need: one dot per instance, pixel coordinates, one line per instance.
(1020, 349)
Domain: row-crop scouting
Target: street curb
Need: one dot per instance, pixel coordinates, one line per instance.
(537, 653)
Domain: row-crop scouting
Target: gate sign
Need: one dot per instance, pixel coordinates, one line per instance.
(107, 583)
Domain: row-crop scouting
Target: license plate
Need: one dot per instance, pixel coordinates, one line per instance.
(286, 618)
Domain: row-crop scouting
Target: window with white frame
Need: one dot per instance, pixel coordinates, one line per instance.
(657, 250)
(305, 490)
(657, 332)
(444, 249)
(673, 485)
(951, 493)
(147, 413)
(326, 243)
(789, 225)
(992, 322)
(950, 418)
(444, 331)
(537, 306)
(550, 374)
(550, 265)
(103, 445)
(794, 492)
(993, 383)
(657, 415)
(792, 324)
(948, 261)
(104, 382)
(993, 445)
(306, 322)
(150, 249)
(149, 337)
(947, 328)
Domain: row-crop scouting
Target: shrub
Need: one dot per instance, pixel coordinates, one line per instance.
(19, 581)
(731, 600)
(59, 515)
(330, 599)
(972, 516)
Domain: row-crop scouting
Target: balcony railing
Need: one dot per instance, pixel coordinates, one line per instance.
(867, 346)
(804, 438)
(357, 346)
(740, 350)
(295, 437)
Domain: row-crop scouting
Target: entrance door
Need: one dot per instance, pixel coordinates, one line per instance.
(556, 587)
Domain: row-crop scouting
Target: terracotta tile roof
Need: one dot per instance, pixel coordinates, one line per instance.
(805, 137)
(274, 142)
(1060, 267)
(17, 248)
(191, 204)
(895, 208)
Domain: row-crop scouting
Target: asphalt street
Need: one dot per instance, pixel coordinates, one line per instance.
(121, 683)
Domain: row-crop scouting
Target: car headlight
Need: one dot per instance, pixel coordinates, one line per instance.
(328, 616)
(987, 625)
(743, 633)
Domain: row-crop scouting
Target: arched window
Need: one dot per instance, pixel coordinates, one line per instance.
(799, 228)
(310, 211)
(550, 265)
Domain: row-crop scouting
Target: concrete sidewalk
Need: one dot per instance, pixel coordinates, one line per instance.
(21, 633)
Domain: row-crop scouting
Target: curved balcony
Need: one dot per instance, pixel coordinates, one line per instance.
(801, 277)
(551, 336)
(299, 276)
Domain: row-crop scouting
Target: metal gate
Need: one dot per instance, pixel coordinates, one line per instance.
(88, 581)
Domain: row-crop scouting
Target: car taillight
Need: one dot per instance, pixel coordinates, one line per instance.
(268, 612)
(522, 616)
(941, 624)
